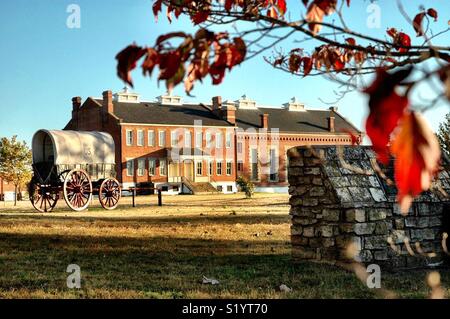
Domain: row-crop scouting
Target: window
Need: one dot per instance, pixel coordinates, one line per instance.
(141, 167)
(273, 177)
(173, 138)
(254, 164)
(228, 140)
(129, 137)
(151, 138)
(165, 188)
(240, 166)
(219, 188)
(151, 166)
(140, 138)
(229, 188)
(229, 168)
(130, 168)
(218, 168)
(187, 139)
(175, 188)
(199, 168)
(219, 140)
(162, 167)
(210, 170)
(162, 138)
(208, 139)
(239, 147)
(199, 139)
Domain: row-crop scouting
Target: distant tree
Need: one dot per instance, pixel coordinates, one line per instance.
(15, 161)
(246, 185)
(444, 135)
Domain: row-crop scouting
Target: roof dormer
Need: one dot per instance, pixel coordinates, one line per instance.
(294, 105)
(126, 96)
(169, 99)
(245, 104)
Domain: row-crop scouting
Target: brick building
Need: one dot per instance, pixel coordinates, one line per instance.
(185, 147)
(6, 190)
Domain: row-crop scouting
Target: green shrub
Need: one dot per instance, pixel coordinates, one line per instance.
(246, 185)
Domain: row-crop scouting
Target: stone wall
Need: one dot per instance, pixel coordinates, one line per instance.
(339, 196)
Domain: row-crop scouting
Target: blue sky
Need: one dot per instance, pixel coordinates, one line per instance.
(44, 63)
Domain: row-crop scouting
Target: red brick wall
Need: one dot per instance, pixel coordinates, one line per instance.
(145, 152)
(285, 141)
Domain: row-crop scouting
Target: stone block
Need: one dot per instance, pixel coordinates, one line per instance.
(364, 256)
(422, 234)
(364, 228)
(312, 171)
(330, 215)
(296, 230)
(378, 194)
(296, 162)
(308, 232)
(375, 242)
(355, 215)
(343, 194)
(310, 202)
(317, 191)
(317, 181)
(360, 194)
(324, 231)
(295, 171)
(377, 214)
(380, 255)
(382, 228)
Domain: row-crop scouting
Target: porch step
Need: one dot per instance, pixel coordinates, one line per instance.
(205, 187)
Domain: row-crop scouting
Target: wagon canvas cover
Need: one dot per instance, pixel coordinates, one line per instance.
(73, 147)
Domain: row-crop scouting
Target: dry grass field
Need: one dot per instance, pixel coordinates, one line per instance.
(163, 252)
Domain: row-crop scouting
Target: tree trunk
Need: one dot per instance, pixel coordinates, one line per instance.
(15, 195)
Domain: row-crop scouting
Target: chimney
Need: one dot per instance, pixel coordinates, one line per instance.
(264, 120)
(331, 124)
(76, 103)
(107, 102)
(216, 104)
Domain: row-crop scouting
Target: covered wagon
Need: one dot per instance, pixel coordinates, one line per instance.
(75, 165)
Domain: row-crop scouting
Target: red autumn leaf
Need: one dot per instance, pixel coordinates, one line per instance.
(405, 41)
(327, 6)
(351, 41)
(170, 35)
(282, 6)
(305, 2)
(278, 62)
(314, 14)
(417, 155)
(432, 13)
(417, 23)
(200, 16)
(338, 64)
(392, 32)
(239, 50)
(169, 64)
(126, 62)
(229, 4)
(151, 60)
(176, 78)
(348, 3)
(386, 107)
(307, 65)
(294, 62)
(272, 13)
(356, 140)
(157, 8)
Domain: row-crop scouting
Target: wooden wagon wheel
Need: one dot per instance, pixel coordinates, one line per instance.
(43, 198)
(109, 193)
(77, 190)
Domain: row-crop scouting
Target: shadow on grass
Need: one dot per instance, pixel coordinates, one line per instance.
(197, 219)
(170, 267)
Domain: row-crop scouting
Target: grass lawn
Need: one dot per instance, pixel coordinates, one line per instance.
(163, 252)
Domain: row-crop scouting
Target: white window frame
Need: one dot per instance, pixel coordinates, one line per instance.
(161, 171)
(162, 141)
(174, 138)
(139, 136)
(230, 165)
(210, 168)
(270, 165)
(219, 140)
(127, 140)
(197, 139)
(219, 164)
(151, 167)
(208, 137)
(199, 164)
(140, 170)
(187, 139)
(151, 137)
(228, 139)
(132, 167)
